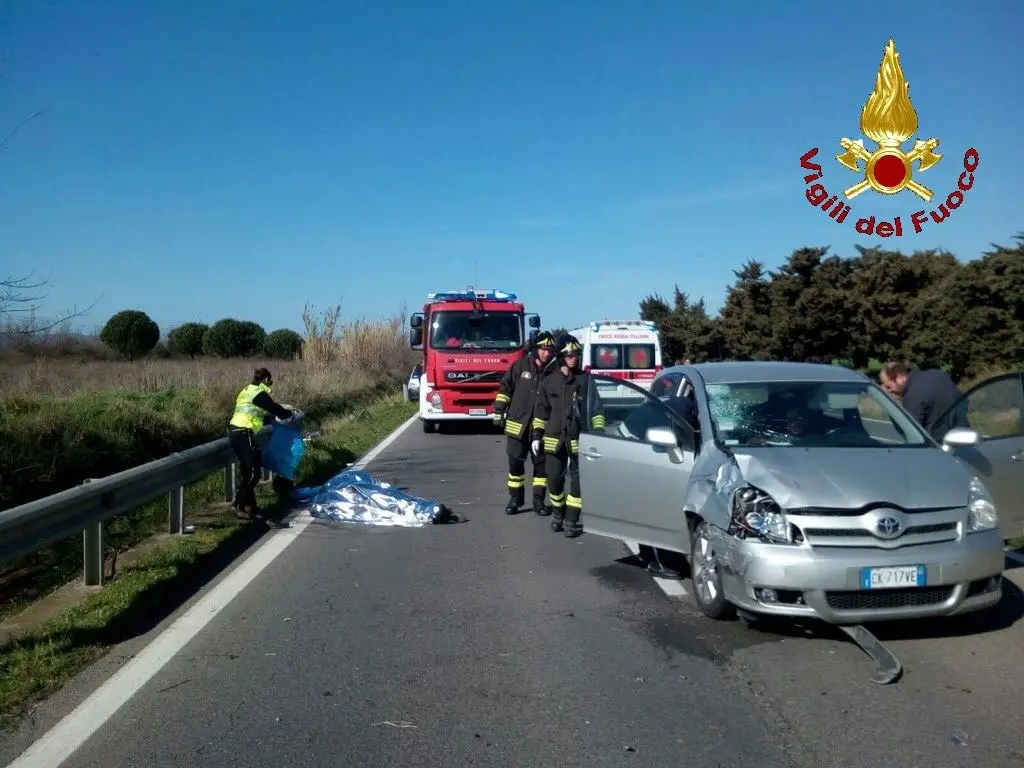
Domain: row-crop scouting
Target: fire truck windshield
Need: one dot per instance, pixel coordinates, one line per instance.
(464, 329)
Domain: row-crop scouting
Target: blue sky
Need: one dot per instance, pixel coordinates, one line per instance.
(206, 159)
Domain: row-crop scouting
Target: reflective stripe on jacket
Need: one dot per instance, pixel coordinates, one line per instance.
(517, 394)
(247, 415)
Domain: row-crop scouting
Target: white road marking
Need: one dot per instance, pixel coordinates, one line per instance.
(61, 741)
(670, 587)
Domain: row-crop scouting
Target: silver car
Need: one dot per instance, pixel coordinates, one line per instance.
(794, 489)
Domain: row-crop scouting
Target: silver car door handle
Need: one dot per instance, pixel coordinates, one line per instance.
(592, 453)
(1017, 456)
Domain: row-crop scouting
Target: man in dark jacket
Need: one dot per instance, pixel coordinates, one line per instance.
(927, 395)
(513, 407)
(557, 424)
(252, 406)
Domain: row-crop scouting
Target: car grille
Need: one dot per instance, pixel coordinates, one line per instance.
(852, 528)
(880, 599)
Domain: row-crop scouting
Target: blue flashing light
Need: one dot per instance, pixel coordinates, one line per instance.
(471, 294)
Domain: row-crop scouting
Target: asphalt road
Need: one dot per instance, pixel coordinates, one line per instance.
(495, 642)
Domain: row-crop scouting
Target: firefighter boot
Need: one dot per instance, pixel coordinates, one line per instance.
(512, 507)
(573, 527)
(538, 503)
(558, 514)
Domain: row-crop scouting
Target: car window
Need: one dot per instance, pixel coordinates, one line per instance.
(666, 385)
(629, 418)
(993, 409)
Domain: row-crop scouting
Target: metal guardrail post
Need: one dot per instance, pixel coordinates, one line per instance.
(176, 510)
(92, 551)
(230, 481)
(92, 554)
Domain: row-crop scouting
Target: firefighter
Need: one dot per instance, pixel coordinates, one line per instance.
(251, 409)
(556, 425)
(513, 407)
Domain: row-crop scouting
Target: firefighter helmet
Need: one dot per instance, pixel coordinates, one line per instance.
(544, 339)
(567, 345)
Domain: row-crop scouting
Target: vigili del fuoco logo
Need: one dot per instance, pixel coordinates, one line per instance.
(889, 120)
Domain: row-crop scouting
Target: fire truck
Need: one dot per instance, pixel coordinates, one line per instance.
(469, 340)
(622, 349)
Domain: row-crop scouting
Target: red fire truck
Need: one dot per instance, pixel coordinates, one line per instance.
(469, 339)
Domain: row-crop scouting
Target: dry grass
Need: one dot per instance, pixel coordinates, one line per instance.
(337, 357)
(65, 418)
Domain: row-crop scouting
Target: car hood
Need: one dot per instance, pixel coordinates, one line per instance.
(850, 478)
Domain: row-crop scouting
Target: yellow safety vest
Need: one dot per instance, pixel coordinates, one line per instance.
(247, 415)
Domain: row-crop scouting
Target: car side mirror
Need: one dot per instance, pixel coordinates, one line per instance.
(664, 437)
(960, 437)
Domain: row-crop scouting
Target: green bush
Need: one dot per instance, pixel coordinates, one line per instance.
(131, 333)
(283, 344)
(187, 340)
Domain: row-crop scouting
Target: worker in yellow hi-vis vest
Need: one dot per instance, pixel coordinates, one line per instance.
(252, 406)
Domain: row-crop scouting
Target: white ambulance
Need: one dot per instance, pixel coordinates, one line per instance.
(621, 349)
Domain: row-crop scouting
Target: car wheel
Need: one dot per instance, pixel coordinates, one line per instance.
(428, 426)
(707, 576)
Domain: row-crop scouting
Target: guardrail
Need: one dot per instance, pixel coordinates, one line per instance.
(87, 507)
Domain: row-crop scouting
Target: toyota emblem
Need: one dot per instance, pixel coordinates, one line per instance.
(888, 527)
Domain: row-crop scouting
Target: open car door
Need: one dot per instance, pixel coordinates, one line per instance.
(633, 488)
(994, 408)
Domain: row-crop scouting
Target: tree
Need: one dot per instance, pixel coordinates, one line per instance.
(283, 344)
(225, 338)
(253, 338)
(745, 319)
(654, 308)
(187, 340)
(131, 333)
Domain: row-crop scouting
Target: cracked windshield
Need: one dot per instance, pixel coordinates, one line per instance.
(808, 414)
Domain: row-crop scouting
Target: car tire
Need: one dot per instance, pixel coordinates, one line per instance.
(706, 574)
(428, 426)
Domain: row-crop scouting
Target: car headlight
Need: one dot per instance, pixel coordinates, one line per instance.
(755, 512)
(981, 509)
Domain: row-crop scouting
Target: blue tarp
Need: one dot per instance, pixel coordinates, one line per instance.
(285, 448)
(357, 497)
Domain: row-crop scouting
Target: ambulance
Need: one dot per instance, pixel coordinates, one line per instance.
(622, 349)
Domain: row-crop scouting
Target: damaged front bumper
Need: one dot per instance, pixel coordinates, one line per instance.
(799, 580)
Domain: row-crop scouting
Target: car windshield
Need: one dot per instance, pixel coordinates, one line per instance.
(825, 414)
(464, 329)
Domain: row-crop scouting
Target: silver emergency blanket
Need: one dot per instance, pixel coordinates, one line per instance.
(357, 497)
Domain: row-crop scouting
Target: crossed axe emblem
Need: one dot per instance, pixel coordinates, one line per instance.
(923, 151)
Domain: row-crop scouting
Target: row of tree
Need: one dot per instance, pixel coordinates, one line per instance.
(134, 334)
(927, 308)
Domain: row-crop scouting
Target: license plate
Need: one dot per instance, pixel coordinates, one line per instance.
(477, 411)
(893, 577)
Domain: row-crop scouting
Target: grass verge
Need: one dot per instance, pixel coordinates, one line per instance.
(35, 575)
(146, 592)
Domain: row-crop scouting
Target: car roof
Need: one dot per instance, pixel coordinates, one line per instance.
(769, 370)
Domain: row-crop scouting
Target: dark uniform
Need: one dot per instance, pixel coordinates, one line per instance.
(557, 420)
(513, 406)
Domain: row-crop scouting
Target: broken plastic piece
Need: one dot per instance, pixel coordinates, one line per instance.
(888, 668)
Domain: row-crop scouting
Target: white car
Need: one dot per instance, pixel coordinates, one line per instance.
(412, 387)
